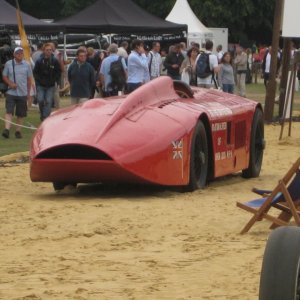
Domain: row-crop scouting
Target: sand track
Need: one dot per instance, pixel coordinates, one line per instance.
(134, 242)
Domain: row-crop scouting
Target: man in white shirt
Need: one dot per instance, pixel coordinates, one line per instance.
(155, 61)
(220, 53)
(138, 68)
(210, 80)
(266, 65)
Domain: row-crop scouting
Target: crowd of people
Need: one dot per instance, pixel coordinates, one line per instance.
(117, 70)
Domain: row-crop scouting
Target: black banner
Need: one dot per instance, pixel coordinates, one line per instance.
(39, 38)
(149, 38)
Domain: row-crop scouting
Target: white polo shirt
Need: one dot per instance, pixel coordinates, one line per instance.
(213, 63)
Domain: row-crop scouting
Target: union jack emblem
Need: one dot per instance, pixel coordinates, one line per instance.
(177, 149)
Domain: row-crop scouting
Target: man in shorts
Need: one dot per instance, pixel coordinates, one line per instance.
(17, 75)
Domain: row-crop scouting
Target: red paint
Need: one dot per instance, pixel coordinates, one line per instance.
(137, 132)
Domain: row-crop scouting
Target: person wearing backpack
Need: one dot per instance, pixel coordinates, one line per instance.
(138, 68)
(207, 67)
(113, 73)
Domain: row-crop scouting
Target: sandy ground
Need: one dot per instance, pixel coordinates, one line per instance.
(134, 243)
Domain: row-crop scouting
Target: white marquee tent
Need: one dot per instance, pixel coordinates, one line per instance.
(183, 14)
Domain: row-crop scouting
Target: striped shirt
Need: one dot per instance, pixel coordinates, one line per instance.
(155, 62)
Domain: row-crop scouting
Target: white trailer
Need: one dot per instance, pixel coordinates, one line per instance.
(220, 37)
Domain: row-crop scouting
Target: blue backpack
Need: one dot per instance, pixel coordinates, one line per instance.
(203, 66)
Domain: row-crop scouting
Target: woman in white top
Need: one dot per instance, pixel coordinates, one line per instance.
(188, 66)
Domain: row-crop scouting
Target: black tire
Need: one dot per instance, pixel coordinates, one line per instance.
(198, 159)
(257, 145)
(58, 186)
(280, 269)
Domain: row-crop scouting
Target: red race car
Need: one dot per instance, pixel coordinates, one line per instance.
(164, 133)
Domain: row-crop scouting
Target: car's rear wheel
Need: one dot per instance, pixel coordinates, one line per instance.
(198, 159)
(257, 145)
(280, 269)
(58, 186)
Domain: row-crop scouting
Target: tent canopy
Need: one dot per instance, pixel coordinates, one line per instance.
(8, 18)
(115, 16)
(182, 13)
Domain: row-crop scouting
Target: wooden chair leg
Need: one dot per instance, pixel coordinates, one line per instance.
(290, 203)
(284, 216)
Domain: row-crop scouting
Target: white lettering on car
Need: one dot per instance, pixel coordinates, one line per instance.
(223, 155)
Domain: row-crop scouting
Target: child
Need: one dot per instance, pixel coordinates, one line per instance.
(226, 75)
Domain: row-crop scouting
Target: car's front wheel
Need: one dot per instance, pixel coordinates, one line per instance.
(198, 158)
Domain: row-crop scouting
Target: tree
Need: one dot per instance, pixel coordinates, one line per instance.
(70, 7)
(54, 9)
(39, 8)
(246, 19)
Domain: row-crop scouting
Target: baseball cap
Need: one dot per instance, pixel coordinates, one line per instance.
(17, 49)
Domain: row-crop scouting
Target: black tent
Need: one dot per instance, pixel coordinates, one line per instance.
(115, 16)
(8, 18)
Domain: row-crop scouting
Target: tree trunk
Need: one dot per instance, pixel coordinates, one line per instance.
(271, 88)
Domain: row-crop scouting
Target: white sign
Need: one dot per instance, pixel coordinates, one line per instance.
(290, 26)
(289, 95)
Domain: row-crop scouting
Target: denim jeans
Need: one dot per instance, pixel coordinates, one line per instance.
(45, 98)
(228, 88)
(175, 77)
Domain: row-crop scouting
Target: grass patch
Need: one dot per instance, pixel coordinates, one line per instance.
(12, 145)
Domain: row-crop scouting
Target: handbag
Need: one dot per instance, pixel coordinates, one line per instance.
(185, 76)
(3, 87)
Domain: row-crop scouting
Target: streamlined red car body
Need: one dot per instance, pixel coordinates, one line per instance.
(149, 137)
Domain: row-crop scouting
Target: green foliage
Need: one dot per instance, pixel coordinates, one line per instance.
(156, 7)
(70, 7)
(40, 8)
(246, 19)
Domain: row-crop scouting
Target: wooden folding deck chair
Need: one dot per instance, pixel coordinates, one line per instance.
(285, 197)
